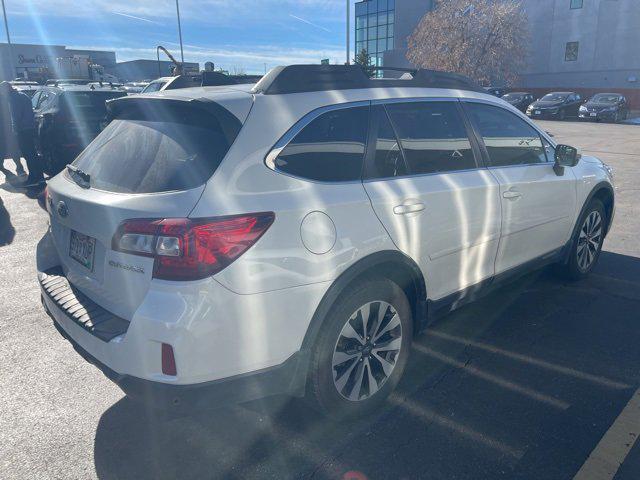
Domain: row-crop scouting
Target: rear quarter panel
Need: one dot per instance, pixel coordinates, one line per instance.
(244, 184)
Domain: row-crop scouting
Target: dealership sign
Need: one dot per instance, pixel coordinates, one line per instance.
(38, 59)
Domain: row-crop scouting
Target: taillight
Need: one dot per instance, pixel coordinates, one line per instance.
(191, 249)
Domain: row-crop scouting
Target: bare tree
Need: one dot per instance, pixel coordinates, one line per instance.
(483, 39)
(238, 70)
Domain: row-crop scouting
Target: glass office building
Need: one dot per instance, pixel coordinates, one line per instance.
(374, 28)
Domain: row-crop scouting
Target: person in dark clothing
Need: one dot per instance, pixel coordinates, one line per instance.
(20, 130)
(8, 141)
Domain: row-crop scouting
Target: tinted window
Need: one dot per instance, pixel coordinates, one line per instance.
(554, 97)
(388, 161)
(433, 136)
(35, 99)
(154, 86)
(516, 97)
(175, 150)
(330, 148)
(509, 139)
(85, 105)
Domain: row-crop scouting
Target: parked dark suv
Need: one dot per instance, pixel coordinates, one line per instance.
(611, 107)
(68, 118)
(556, 106)
(520, 100)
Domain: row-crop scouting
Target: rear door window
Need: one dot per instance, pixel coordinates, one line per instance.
(158, 149)
(433, 136)
(330, 148)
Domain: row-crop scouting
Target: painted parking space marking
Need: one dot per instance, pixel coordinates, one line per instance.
(605, 460)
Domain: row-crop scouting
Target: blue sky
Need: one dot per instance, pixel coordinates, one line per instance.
(234, 34)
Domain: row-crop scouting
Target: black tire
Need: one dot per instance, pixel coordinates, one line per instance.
(562, 115)
(323, 380)
(574, 268)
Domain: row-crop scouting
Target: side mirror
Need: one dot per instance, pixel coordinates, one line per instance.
(565, 156)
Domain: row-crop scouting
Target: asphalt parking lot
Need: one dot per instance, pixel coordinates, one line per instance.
(527, 383)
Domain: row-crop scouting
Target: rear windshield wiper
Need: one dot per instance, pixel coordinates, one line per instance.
(81, 178)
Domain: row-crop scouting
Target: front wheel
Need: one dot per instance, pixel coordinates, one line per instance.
(362, 351)
(587, 242)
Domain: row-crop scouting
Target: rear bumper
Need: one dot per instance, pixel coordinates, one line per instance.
(228, 347)
(286, 378)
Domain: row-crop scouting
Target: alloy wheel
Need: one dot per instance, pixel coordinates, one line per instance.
(589, 241)
(367, 350)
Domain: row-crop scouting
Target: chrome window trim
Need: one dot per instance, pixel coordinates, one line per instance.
(281, 144)
(432, 174)
(545, 164)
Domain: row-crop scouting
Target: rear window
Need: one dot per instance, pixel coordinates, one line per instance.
(153, 87)
(149, 151)
(92, 104)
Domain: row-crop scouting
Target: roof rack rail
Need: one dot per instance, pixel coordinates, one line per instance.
(316, 78)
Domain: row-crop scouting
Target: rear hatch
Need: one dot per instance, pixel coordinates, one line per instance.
(151, 161)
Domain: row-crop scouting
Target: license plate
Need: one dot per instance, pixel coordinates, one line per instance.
(537, 112)
(593, 114)
(82, 249)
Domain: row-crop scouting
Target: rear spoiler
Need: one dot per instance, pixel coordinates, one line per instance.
(175, 108)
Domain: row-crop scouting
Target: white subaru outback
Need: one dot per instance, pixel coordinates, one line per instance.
(222, 244)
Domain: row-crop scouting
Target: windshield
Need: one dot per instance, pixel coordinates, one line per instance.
(154, 86)
(605, 98)
(163, 153)
(513, 97)
(554, 97)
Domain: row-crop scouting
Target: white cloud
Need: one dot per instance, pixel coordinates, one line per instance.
(309, 23)
(135, 17)
(251, 59)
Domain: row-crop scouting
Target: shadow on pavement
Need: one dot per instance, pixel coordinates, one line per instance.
(521, 384)
(7, 232)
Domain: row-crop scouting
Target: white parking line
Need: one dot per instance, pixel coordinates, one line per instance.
(605, 382)
(615, 445)
(429, 416)
(490, 377)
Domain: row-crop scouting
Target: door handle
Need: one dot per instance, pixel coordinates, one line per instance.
(408, 208)
(511, 194)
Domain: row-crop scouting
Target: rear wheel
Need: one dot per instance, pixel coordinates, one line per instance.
(362, 350)
(587, 242)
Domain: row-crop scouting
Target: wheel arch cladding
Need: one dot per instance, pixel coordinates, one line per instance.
(389, 264)
(604, 192)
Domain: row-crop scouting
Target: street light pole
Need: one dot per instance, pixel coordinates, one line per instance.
(348, 31)
(179, 32)
(6, 27)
